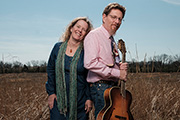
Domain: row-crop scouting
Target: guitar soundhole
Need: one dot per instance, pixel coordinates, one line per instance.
(120, 117)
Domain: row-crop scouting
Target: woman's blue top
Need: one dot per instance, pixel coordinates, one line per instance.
(83, 92)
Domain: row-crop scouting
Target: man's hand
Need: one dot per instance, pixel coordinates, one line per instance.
(123, 71)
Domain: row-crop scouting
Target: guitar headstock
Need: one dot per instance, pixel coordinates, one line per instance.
(121, 46)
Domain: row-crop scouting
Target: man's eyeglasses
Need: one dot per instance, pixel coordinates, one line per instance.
(115, 18)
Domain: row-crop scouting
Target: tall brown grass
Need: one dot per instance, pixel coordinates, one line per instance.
(23, 97)
(156, 96)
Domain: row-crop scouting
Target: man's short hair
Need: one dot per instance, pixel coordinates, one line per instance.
(111, 6)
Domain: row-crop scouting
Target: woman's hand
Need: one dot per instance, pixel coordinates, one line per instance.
(88, 106)
(51, 100)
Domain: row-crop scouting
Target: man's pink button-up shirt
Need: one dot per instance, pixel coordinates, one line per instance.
(98, 56)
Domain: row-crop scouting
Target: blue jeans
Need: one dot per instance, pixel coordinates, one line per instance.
(97, 94)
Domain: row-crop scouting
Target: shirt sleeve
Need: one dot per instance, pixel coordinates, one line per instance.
(93, 61)
(87, 92)
(51, 83)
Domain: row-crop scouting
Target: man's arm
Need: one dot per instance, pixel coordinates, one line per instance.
(93, 61)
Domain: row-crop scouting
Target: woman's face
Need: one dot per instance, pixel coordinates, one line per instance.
(79, 30)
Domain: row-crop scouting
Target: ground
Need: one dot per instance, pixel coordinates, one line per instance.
(156, 96)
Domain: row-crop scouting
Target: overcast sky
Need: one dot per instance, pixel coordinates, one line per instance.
(30, 28)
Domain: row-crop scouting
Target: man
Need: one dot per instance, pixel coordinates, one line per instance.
(104, 67)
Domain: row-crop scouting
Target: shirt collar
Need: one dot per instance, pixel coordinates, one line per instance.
(106, 33)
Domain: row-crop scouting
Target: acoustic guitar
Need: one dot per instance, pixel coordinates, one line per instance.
(117, 98)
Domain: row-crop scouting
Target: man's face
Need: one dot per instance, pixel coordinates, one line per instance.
(112, 21)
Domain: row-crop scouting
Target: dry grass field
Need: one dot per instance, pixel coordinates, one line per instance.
(23, 96)
(156, 96)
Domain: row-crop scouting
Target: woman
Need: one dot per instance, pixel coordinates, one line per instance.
(68, 90)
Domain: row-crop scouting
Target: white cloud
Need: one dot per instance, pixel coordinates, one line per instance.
(175, 2)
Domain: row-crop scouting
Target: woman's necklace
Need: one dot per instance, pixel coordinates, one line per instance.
(70, 51)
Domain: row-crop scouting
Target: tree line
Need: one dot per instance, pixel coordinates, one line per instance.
(18, 67)
(159, 63)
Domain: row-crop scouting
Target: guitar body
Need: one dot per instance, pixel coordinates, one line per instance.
(107, 104)
(116, 107)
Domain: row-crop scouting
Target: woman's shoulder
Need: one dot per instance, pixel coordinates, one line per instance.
(57, 44)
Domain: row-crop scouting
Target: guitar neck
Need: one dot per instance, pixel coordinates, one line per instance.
(123, 58)
(123, 90)
(121, 83)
